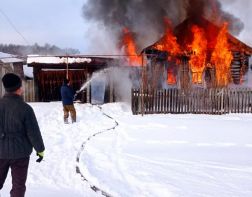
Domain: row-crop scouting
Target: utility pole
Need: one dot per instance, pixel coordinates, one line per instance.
(67, 68)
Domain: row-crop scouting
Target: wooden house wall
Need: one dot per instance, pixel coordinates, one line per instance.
(48, 83)
(16, 68)
(238, 68)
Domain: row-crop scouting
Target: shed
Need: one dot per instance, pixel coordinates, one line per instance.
(49, 72)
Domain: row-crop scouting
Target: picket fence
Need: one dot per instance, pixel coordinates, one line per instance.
(196, 101)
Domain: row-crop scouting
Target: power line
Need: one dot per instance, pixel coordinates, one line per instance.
(13, 26)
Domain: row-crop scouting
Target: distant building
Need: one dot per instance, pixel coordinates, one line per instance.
(50, 71)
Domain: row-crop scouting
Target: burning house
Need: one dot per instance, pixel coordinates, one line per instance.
(198, 52)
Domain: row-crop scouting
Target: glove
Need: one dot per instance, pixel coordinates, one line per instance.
(40, 155)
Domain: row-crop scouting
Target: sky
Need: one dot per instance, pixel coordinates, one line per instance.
(60, 22)
(125, 155)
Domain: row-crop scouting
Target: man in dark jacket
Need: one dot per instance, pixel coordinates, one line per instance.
(19, 134)
(67, 97)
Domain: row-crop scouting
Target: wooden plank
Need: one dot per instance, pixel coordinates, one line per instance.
(221, 101)
(162, 101)
(247, 101)
(152, 102)
(183, 104)
(146, 103)
(166, 101)
(250, 100)
(133, 102)
(238, 99)
(172, 100)
(155, 102)
(168, 94)
(217, 101)
(190, 101)
(198, 101)
(176, 101)
(230, 100)
(159, 101)
(193, 100)
(232, 103)
(212, 100)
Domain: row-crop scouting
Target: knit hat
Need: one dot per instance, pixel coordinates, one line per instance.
(11, 82)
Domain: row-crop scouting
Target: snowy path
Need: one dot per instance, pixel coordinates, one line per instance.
(93, 187)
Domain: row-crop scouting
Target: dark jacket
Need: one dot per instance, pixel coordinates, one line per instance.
(67, 94)
(19, 130)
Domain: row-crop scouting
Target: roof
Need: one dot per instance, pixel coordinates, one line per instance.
(184, 35)
(72, 61)
(57, 59)
(9, 58)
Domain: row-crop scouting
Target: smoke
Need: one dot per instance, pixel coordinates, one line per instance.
(122, 84)
(215, 13)
(145, 17)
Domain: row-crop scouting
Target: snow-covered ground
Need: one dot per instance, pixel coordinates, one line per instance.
(143, 156)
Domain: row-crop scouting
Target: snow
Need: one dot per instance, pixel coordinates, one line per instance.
(129, 155)
(9, 58)
(56, 60)
(28, 71)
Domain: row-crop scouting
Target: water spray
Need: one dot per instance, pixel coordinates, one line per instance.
(95, 75)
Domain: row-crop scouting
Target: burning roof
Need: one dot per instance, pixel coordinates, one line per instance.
(184, 35)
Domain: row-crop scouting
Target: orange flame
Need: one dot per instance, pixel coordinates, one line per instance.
(130, 48)
(169, 41)
(198, 58)
(222, 58)
(171, 78)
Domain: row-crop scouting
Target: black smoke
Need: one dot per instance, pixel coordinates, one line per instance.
(145, 17)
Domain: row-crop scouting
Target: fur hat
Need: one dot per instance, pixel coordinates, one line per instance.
(11, 82)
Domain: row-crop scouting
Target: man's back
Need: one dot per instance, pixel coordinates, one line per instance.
(19, 133)
(18, 127)
(67, 95)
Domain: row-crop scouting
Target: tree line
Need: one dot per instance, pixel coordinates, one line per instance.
(47, 49)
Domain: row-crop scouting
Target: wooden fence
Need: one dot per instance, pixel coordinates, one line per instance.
(197, 101)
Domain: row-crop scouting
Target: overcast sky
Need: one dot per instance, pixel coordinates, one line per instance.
(60, 22)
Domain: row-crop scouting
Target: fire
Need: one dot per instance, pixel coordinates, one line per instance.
(130, 48)
(198, 58)
(171, 78)
(222, 57)
(169, 41)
